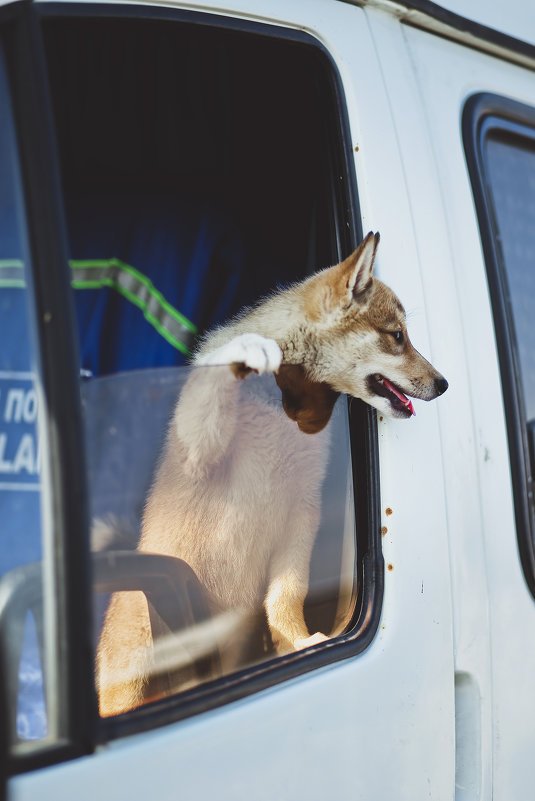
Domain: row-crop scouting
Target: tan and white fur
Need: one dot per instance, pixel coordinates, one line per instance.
(236, 495)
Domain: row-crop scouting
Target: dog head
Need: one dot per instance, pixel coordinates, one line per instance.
(362, 346)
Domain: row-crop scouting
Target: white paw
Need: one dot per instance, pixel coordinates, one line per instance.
(255, 352)
(306, 642)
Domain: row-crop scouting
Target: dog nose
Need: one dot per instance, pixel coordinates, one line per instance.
(441, 385)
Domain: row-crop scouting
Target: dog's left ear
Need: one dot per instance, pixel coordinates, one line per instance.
(356, 271)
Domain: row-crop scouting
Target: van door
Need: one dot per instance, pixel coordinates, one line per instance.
(370, 713)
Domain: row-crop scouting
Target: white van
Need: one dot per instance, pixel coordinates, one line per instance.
(162, 164)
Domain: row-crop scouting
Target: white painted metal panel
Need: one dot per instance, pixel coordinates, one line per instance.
(447, 74)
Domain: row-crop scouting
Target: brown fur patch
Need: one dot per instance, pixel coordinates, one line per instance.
(378, 309)
(307, 402)
(319, 297)
(239, 369)
(385, 312)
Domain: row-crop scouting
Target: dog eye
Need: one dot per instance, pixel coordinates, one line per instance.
(398, 336)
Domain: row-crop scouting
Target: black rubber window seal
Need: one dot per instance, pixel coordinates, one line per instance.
(487, 114)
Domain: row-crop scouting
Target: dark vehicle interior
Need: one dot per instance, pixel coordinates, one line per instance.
(204, 157)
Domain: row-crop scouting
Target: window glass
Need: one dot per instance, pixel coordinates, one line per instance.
(499, 139)
(511, 174)
(26, 615)
(235, 528)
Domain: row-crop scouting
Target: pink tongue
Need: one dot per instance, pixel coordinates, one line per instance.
(405, 401)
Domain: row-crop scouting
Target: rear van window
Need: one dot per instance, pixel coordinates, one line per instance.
(499, 137)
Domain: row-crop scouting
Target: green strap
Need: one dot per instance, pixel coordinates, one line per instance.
(130, 283)
(12, 274)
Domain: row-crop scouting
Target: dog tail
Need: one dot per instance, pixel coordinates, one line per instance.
(112, 533)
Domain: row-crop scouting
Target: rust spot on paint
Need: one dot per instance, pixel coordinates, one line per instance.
(388, 510)
(356, 148)
(384, 530)
(380, 418)
(390, 566)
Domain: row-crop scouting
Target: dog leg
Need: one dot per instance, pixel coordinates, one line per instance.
(206, 413)
(288, 586)
(124, 654)
(284, 608)
(250, 350)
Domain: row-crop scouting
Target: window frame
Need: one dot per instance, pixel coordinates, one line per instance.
(57, 352)
(485, 114)
(61, 376)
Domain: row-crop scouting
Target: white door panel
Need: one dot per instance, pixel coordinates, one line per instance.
(447, 74)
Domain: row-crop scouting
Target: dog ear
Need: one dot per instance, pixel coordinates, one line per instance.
(307, 402)
(338, 287)
(357, 270)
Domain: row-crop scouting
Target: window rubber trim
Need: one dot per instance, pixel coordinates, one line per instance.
(486, 114)
(54, 322)
(363, 419)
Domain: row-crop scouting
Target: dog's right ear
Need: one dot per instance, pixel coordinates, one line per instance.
(356, 272)
(338, 287)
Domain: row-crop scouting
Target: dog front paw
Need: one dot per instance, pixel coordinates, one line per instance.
(306, 642)
(246, 352)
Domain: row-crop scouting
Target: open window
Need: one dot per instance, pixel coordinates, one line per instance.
(204, 162)
(208, 160)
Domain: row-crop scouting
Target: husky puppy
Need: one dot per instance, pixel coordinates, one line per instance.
(236, 496)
